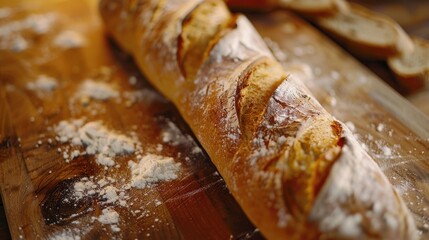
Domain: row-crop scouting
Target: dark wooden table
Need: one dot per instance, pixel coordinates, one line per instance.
(4, 229)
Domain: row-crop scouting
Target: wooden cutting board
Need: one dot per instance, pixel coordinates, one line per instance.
(35, 180)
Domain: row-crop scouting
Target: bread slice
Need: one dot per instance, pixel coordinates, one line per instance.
(412, 69)
(252, 5)
(366, 33)
(311, 7)
(314, 7)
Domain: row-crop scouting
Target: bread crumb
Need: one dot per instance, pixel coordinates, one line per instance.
(380, 127)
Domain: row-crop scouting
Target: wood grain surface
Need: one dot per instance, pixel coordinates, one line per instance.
(34, 181)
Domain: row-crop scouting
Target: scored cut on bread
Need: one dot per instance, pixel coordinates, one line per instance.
(366, 33)
(412, 69)
(296, 171)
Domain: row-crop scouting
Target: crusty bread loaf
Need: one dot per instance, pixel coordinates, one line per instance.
(296, 171)
(412, 69)
(367, 33)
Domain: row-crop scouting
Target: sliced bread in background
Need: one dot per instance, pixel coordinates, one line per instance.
(366, 33)
(315, 7)
(412, 68)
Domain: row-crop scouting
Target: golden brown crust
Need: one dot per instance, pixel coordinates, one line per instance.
(272, 142)
(255, 86)
(199, 28)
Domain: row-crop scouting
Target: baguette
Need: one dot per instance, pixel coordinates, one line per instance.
(296, 171)
(412, 69)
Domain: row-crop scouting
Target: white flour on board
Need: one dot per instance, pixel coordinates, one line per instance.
(97, 90)
(110, 149)
(43, 83)
(69, 39)
(111, 217)
(11, 33)
(37, 23)
(106, 145)
(96, 139)
(142, 173)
